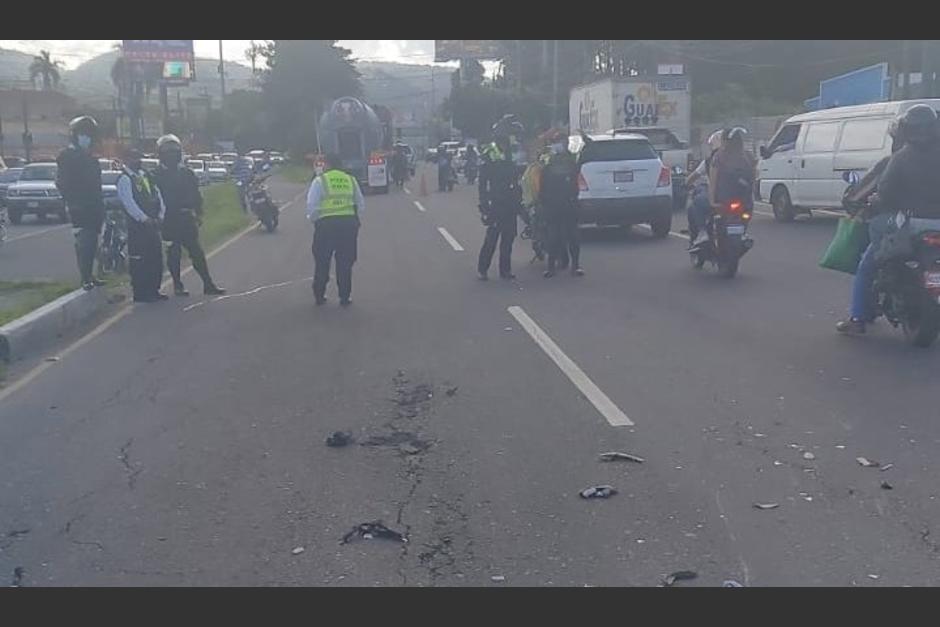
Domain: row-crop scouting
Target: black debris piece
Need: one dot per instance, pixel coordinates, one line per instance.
(598, 492)
(17, 577)
(867, 463)
(616, 456)
(452, 391)
(339, 438)
(886, 486)
(680, 575)
(375, 529)
(17, 533)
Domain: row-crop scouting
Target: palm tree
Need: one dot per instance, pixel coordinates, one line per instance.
(254, 51)
(43, 66)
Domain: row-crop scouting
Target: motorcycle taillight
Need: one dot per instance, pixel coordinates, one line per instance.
(931, 239)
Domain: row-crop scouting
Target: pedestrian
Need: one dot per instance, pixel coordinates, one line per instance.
(78, 179)
(558, 198)
(334, 204)
(145, 209)
(180, 190)
(500, 198)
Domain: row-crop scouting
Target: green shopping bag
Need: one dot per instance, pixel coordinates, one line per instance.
(846, 249)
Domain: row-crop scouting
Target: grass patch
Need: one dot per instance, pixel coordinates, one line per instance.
(296, 173)
(25, 296)
(222, 215)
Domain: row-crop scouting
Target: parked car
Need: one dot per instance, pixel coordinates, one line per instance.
(150, 164)
(199, 168)
(8, 177)
(217, 171)
(229, 159)
(35, 193)
(109, 189)
(622, 181)
(15, 162)
(276, 158)
(802, 168)
(674, 152)
(109, 164)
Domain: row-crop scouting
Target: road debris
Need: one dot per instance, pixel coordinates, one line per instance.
(375, 529)
(886, 486)
(52, 359)
(867, 463)
(766, 505)
(616, 456)
(339, 438)
(731, 583)
(452, 391)
(679, 575)
(841, 447)
(809, 456)
(598, 492)
(873, 576)
(298, 550)
(17, 577)
(498, 578)
(887, 467)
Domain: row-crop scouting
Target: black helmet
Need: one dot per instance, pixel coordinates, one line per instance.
(169, 142)
(507, 126)
(83, 125)
(918, 124)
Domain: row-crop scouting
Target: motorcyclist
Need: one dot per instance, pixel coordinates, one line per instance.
(445, 169)
(243, 172)
(907, 184)
(700, 207)
(558, 198)
(732, 172)
(399, 165)
(500, 197)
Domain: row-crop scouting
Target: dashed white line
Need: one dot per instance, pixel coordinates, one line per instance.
(407, 191)
(594, 394)
(420, 207)
(450, 239)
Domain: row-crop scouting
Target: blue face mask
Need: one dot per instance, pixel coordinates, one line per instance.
(84, 142)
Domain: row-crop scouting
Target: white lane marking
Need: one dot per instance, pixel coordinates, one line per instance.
(450, 239)
(601, 402)
(407, 191)
(250, 292)
(420, 207)
(194, 305)
(37, 233)
(30, 376)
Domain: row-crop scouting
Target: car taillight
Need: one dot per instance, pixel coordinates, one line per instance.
(931, 239)
(376, 160)
(665, 177)
(582, 183)
(735, 206)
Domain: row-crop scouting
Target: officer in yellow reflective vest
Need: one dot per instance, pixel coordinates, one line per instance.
(334, 203)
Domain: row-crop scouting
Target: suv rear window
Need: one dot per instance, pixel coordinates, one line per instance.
(617, 150)
(39, 173)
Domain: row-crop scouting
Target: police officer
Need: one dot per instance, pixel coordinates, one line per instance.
(558, 197)
(180, 190)
(334, 203)
(145, 210)
(500, 198)
(78, 179)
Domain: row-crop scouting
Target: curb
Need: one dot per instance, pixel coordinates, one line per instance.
(41, 327)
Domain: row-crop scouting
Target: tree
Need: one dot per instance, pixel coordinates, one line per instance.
(255, 51)
(44, 67)
(302, 77)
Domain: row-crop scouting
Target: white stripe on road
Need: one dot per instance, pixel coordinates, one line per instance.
(450, 239)
(407, 191)
(420, 207)
(601, 402)
(37, 233)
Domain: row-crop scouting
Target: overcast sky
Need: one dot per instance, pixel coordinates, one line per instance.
(74, 52)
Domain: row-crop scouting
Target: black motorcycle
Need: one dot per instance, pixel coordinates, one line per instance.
(262, 205)
(906, 285)
(112, 248)
(727, 239)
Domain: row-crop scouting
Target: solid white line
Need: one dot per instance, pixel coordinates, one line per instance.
(601, 402)
(450, 239)
(420, 207)
(37, 233)
(407, 191)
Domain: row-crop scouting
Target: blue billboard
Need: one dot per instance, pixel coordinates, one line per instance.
(863, 86)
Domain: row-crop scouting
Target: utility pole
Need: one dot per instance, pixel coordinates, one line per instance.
(555, 82)
(906, 70)
(27, 136)
(221, 76)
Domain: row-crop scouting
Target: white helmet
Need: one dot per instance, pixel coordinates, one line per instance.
(714, 140)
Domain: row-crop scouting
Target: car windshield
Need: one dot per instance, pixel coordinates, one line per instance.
(39, 173)
(617, 150)
(110, 177)
(198, 165)
(217, 165)
(10, 175)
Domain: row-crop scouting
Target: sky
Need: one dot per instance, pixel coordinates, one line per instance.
(73, 52)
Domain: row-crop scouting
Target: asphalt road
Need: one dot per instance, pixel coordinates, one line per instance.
(184, 444)
(38, 251)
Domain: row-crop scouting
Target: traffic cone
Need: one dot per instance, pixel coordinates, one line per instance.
(423, 187)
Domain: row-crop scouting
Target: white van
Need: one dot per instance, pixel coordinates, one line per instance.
(802, 167)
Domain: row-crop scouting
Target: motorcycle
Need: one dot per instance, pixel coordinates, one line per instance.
(906, 284)
(112, 249)
(727, 239)
(262, 205)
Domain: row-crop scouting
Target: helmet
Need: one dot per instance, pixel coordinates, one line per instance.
(734, 133)
(714, 140)
(167, 141)
(918, 124)
(83, 125)
(507, 126)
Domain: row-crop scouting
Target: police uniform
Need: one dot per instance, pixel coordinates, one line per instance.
(334, 203)
(558, 197)
(144, 207)
(78, 179)
(500, 203)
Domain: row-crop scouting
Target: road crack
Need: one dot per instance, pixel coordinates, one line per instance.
(132, 472)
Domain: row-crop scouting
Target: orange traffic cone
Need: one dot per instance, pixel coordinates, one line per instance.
(423, 188)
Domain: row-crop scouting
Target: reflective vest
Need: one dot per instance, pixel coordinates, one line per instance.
(493, 152)
(145, 193)
(339, 196)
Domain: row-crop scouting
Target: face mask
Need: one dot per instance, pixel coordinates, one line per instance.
(171, 159)
(84, 142)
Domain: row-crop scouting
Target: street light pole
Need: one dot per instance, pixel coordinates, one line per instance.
(221, 75)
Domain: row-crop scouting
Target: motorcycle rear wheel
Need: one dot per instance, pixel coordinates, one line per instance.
(923, 326)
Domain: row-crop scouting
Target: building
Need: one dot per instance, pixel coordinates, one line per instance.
(47, 114)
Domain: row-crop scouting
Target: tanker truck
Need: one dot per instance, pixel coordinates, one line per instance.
(351, 129)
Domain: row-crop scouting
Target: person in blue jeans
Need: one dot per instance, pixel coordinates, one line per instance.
(700, 207)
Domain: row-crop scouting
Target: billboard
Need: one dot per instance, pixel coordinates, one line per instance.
(862, 86)
(143, 50)
(457, 49)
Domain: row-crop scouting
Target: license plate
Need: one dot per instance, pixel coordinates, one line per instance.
(932, 279)
(735, 229)
(32, 204)
(623, 177)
